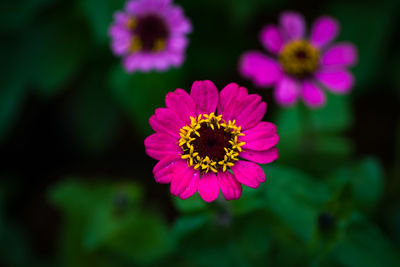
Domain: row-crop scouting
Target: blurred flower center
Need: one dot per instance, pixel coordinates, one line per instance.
(209, 143)
(149, 33)
(299, 58)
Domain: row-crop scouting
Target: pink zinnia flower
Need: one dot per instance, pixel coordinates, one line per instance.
(208, 141)
(150, 34)
(301, 65)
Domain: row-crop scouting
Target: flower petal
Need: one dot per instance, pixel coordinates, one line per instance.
(313, 96)
(166, 121)
(293, 25)
(182, 103)
(177, 21)
(160, 145)
(230, 187)
(261, 157)
(192, 187)
(182, 177)
(339, 81)
(252, 112)
(324, 30)
(287, 91)
(261, 137)
(261, 69)
(248, 173)
(343, 54)
(164, 169)
(208, 187)
(271, 38)
(205, 95)
(230, 96)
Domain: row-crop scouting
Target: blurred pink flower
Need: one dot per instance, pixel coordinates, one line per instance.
(150, 34)
(301, 65)
(209, 141)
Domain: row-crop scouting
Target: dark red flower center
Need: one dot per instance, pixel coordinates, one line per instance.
(212, 143)
(151, 29)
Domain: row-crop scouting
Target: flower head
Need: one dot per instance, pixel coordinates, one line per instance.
(209, 141)
(150, 34)
(301, 66)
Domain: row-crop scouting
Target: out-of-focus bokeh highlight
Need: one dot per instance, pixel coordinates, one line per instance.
(77, 188)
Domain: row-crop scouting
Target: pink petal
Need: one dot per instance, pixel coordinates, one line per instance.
(248, 173)
(182, 103)
(261, 157)
(324, 30)
(261, 69)
(166, 121)
(164, 169)
(293, 25)
(230, 187)
(343, 54)
(252, 113)
(205, 95)
(261, 137)
(338, 81)
(160, 145)
(230, 96)
(313, 96)
(208, 187)
(271, 38)
(121, 46)
(287, 91)
(192, 187)
(181, 178)
(121, 18)
(177, 21)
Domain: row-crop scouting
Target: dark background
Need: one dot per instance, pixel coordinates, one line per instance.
(72, 125)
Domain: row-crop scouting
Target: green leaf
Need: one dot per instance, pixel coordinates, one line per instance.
(334, 117)
(295, 198)
(98, 217)
(250, 201)
(141, 93)
(364, 245)
(192, 204)
(213, 243)
(311, 139)
(185, 225)
(147, 240)
(366, 178)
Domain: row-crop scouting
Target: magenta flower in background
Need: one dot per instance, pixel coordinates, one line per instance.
(301, 66)
(150, 34)
(209, 141)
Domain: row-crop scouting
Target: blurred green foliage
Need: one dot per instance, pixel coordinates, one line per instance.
(321, 203)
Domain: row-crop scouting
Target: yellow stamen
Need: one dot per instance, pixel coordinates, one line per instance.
(189, 133)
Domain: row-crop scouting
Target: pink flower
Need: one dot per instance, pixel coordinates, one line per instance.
(207, 141)
(301, 66)
(150, 34)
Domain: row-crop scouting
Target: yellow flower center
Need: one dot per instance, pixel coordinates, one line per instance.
(210, 143)
(299, 58)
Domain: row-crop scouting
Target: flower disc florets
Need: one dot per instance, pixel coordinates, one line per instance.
(210, 144)
(150, 33)
(299, 58)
